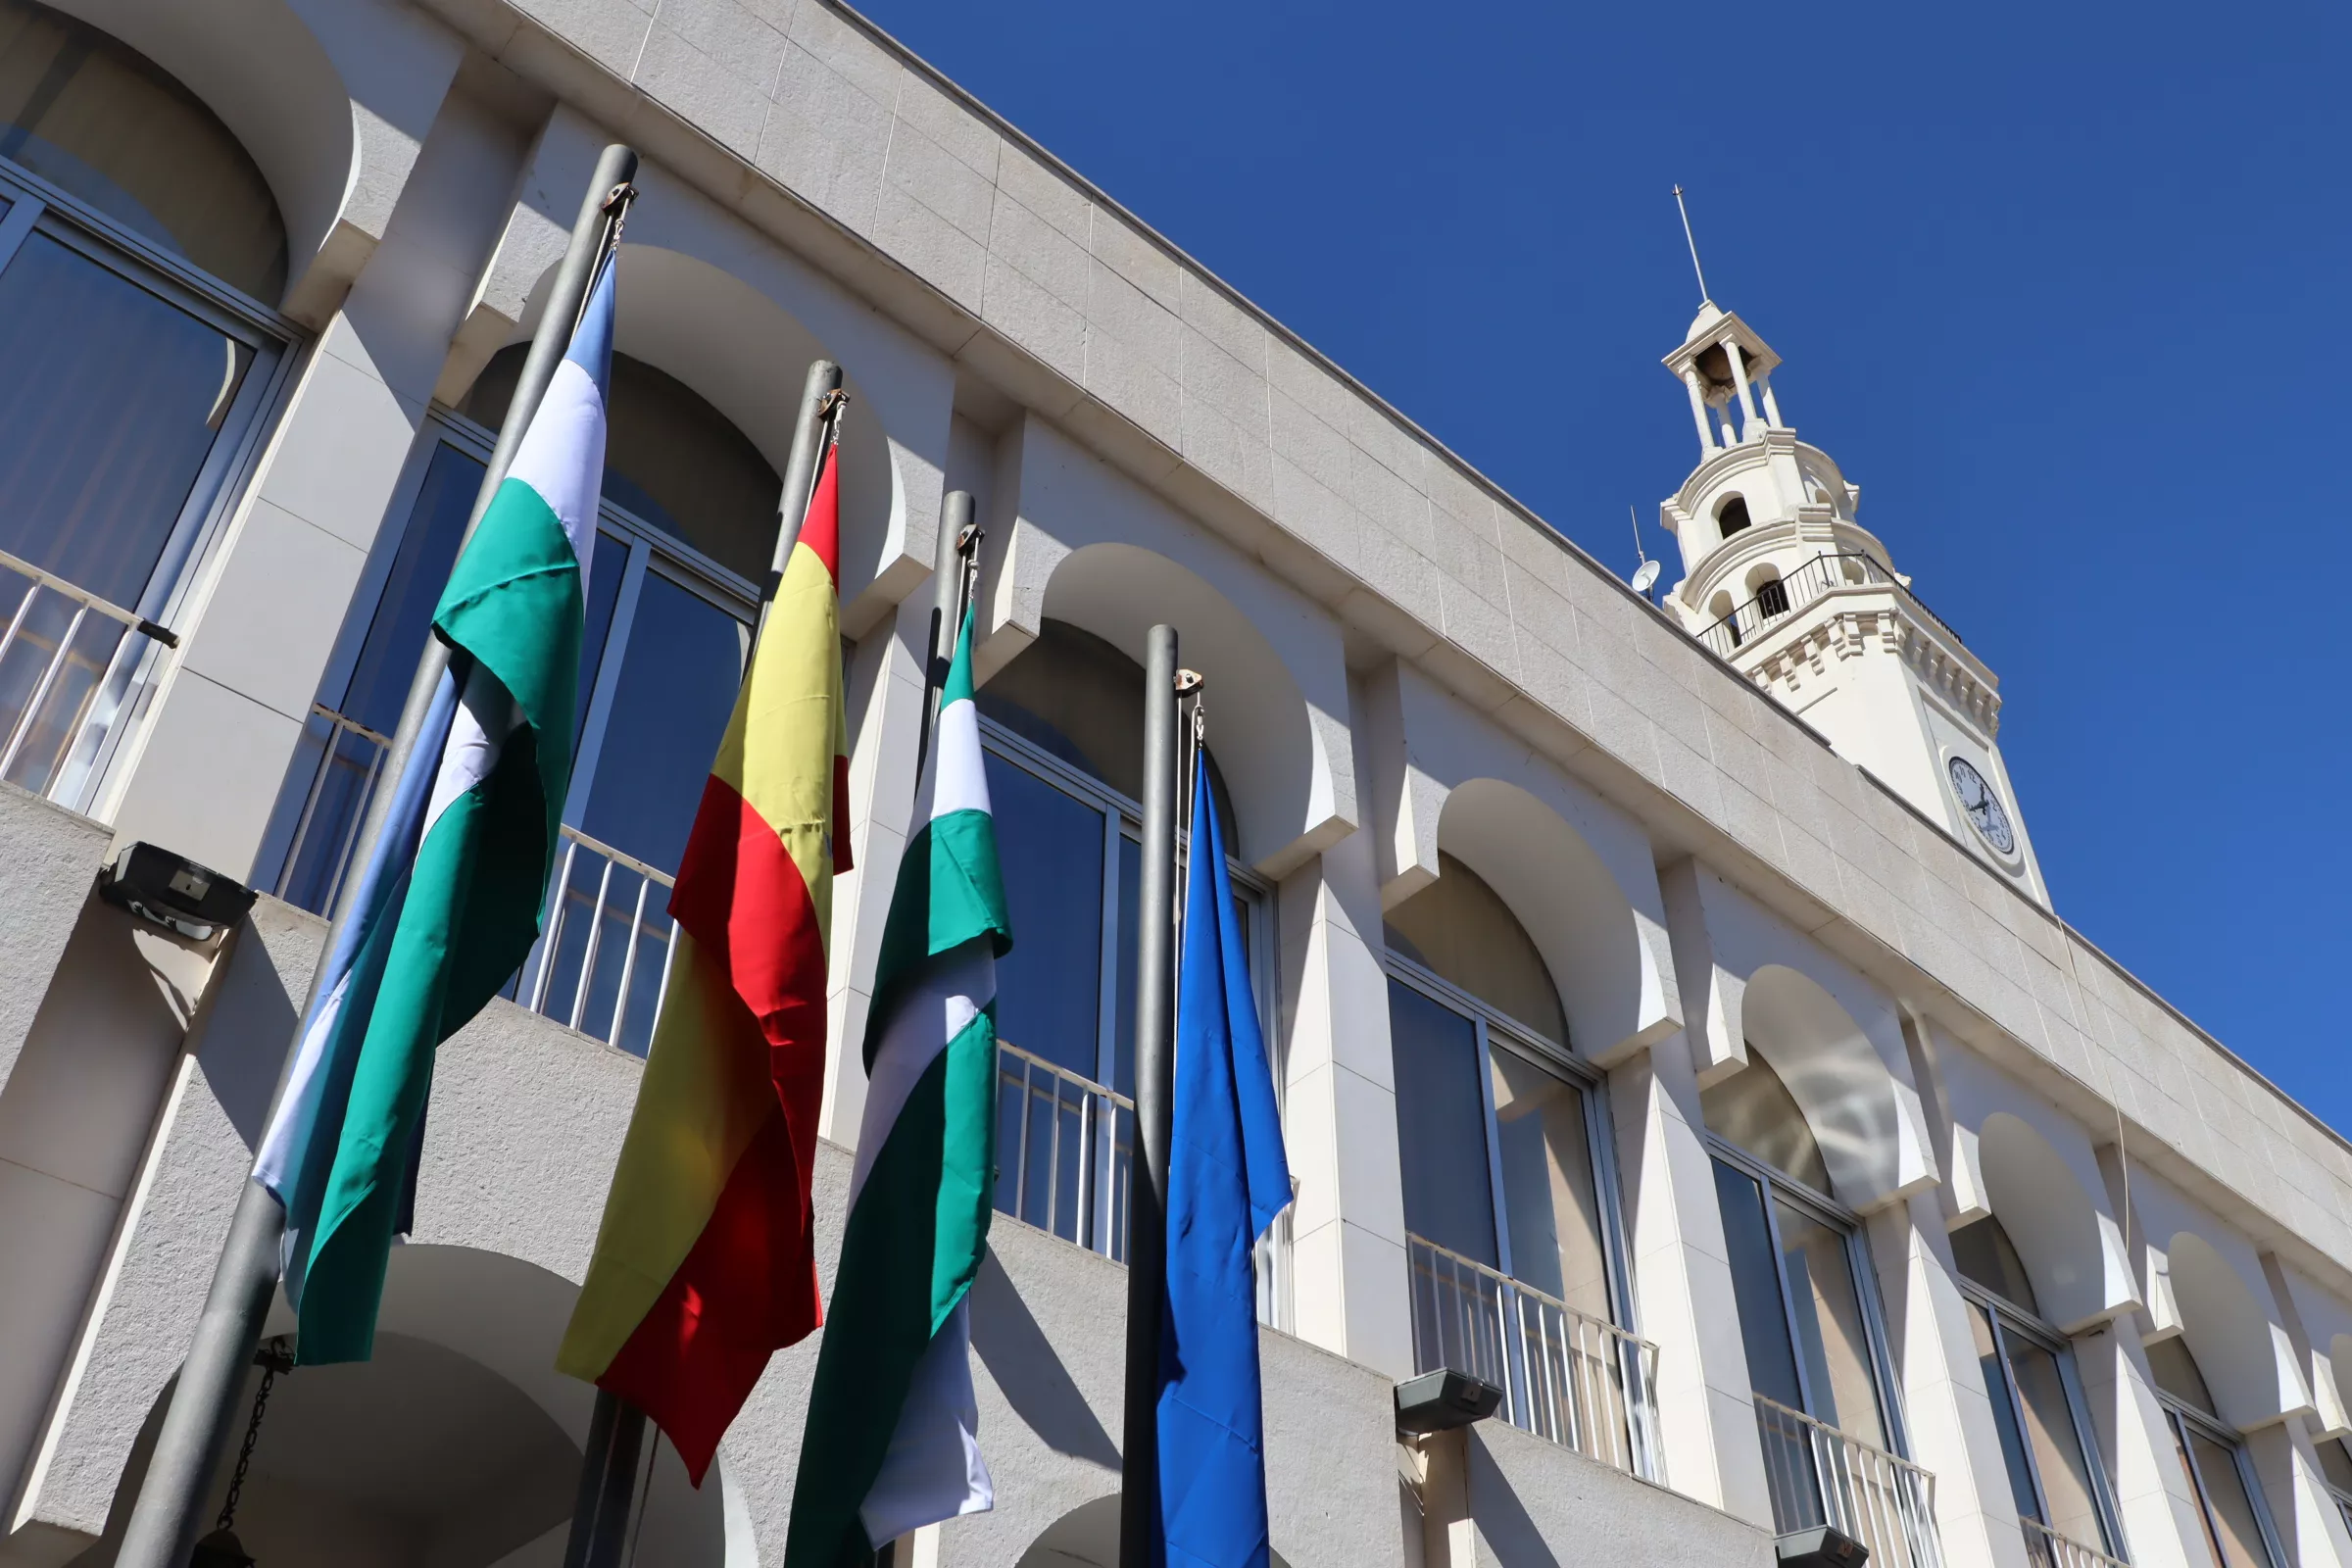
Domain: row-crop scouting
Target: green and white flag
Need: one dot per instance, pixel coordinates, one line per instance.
(446, 905)
(892, 1436)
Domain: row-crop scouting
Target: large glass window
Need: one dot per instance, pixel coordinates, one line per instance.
(2212, 1459)
(131, 229)
(2054, 1475)
(1510, 1228)
(1810, 1322)
(662, 657)
(1070, 841)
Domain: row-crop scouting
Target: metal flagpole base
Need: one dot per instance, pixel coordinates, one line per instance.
(600, 1519)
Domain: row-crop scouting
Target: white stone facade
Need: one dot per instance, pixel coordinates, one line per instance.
(1407, 673)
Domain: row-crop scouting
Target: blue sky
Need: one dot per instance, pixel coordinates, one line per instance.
(2058, 286)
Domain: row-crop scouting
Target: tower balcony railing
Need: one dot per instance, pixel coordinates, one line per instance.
(1820, 1476)
(70, 665)
(2047, 1549)
(1783, 596)
(1565, 1375)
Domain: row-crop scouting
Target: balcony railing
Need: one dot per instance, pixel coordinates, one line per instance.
(1819, 1475)
(604, 942)
(2047, 1549)
(70, 663)
(1784, 594)
(344, 774)
(1065, 1156)
(1582, 1383)
(1065, 1151)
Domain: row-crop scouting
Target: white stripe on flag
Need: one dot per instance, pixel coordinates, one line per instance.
(952, 990)
(563, 455)
(933, 1470)
(960, 776)
(486, 715)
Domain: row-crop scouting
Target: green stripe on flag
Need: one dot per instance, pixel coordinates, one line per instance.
(950, 890)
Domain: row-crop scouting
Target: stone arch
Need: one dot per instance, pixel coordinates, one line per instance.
(1839, 1080)
(1087, 1537)
(1564, 898)
(744, 355)
(2242, 1352)
(1258, 718)
(261, 70)
(2051, 1219)
(458, 1443)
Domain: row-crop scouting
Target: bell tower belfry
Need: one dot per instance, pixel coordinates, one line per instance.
(1783, 583)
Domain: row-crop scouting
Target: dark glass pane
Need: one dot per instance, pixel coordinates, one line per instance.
(111, 400)
(2056, 1440)
(2235, 1530)
(1756, 1288)
(1985, 1253)
(1442, 1126)
(1122, 1004)
(1050, 847)
(428, 547)
(1832, 1338)
(678, 678)
(1548, 1193)
(605, 568)
(2004, 1415)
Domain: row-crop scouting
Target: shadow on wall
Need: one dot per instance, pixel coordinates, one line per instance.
(1510, 1537)
(1026, 1367)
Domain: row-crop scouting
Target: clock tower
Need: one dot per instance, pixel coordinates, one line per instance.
(1783, 583)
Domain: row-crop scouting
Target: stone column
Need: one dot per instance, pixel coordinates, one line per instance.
(1698, 413)
(2162, 1527)
(1681, 1278)
(1747, 400)
(1949, 1409)
(1350, 1291)
(1772, 410)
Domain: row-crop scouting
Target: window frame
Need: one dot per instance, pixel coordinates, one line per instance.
(1821, 1206)
(2008, 1318)
(2185, 1419)
(1492, 1026)
(277, 343)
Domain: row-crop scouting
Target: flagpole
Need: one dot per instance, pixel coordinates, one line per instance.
(1155, 1100)
(202, 1413)
(601, 1508)
(950, 589)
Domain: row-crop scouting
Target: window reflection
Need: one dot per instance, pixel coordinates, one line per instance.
(1832, 1341)
(1442, 1126)
(1548, 1201)
(1049, 987)
(112, 402)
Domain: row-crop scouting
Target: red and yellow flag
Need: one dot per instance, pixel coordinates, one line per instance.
(705, 1264)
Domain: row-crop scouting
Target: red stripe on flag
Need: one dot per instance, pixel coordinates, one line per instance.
(744, 1290)
(820, 530)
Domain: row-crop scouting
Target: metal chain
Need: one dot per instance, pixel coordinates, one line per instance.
(252, 1433)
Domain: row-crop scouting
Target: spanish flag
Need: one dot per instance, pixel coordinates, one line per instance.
(705, 1264)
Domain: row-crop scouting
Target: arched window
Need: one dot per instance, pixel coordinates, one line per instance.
(2048, 1444)
(1510, 1224)
(667, 630)
(1771, 594)
(102, 123)
(1732, 517)
(2213, 1461)
(1809, 1319)
(1062, 724)
(671, 459)
(132, 231)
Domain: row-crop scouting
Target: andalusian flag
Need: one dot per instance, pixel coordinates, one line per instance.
(893, 1441)
(447, 905)
(706, 1262)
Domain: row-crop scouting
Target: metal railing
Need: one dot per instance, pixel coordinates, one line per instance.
(2047, 1549)
(1065, 1151)
(343, 780)
(1819, 1475)
(604, 942)
(1574, 1379)
(1852, 568)
(69, 662)
(1065, 1156)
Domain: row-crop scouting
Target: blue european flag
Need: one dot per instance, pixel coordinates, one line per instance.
(1227, 1180)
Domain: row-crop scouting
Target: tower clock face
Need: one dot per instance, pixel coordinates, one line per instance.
(1982, 805)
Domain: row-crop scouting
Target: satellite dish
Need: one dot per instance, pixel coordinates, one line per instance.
(1645, 576)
